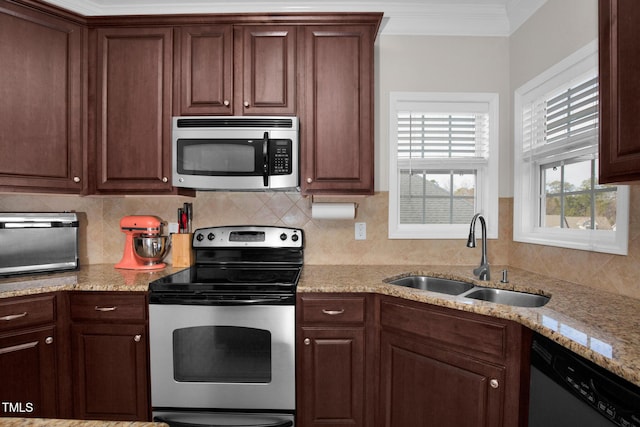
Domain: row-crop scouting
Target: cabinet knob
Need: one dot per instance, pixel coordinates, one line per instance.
(137, 338)
(309, 180)
(76, 179)
(246, 103)
(226, 102)
(307, 341)
(494, 383)
(165, 179)
(48, 340)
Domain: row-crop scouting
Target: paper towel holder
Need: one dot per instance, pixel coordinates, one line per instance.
(312, 201)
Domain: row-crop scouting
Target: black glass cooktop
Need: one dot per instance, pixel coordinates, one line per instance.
(213, 283)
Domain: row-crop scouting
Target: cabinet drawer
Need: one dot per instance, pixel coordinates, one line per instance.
(20, 312)
(338, 309)
(472, 334)
(108, 306)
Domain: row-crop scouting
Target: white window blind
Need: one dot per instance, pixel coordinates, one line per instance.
(563, 122)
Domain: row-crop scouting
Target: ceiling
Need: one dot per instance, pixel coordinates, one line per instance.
(401, 17)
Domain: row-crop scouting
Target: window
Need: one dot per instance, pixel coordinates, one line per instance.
(444, 164)
(557, 198)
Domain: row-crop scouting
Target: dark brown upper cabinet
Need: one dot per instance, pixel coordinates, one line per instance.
(237, 70)
(132, 68)
(337, 147)
(41, 100)
(619, 52)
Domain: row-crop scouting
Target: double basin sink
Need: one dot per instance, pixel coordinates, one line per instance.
(469, 290)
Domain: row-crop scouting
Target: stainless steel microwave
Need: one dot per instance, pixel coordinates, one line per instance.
(235, 153)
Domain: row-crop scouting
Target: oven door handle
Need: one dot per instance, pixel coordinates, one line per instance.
(247, 301)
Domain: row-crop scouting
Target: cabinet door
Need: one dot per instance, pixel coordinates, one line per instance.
(28, 374)
(41, 104)
(423, 384)
(133, 112)
(337, 137)
(619, 90)
(110, 372)
(206, 70)
(331, 374)
(268, 70)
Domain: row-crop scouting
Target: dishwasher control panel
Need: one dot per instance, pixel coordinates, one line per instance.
(615, 398)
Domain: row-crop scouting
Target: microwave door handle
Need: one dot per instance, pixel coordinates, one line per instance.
(265, 159)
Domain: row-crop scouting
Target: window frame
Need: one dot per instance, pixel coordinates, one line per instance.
(527, 175)
(486, 194)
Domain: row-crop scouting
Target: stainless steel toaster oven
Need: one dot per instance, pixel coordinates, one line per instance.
(34, 242)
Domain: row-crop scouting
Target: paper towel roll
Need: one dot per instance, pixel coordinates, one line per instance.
(333, 210)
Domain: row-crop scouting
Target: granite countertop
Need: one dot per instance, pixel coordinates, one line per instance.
(603, 327)
(48, 422)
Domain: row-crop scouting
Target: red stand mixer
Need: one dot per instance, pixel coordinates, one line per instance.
(145, 247)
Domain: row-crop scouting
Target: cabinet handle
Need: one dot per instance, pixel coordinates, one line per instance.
(226, 103)
(494, 383)
(48, 340)
(113, 308)
(333, 312)
(13, 316)
(246, 103)
(165, 179)
(307, 341)
(76, 179)
(137, 338)
(309, 180)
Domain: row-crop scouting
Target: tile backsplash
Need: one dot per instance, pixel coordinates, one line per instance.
(333, 241)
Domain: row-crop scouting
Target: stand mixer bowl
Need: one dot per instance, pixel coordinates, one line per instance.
(151, 250)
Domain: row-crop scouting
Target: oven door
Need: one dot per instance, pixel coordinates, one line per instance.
(222, 357)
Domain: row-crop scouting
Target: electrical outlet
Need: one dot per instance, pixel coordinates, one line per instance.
(361, 231)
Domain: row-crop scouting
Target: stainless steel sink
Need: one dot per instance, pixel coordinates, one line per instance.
(501, 296)
(434, 284)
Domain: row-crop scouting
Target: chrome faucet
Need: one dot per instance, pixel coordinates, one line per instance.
(482, 271)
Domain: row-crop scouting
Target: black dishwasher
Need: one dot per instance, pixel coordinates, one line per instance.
(567, 390)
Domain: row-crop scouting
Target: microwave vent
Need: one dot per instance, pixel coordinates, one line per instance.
(235, 122)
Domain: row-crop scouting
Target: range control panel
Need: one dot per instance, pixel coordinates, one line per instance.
(248, 237)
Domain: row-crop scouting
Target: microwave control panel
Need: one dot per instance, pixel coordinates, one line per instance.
(280, 155)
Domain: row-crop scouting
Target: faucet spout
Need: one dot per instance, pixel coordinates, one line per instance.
(482, 271)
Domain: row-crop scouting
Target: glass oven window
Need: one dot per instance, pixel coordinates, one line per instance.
(222, 354)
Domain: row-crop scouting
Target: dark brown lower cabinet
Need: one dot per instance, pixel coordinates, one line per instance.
(374, 360)
(28, 356)
(447, 368)
(28, 373)
(109, 348)
(334, 376)
(334, 360)
(110, 372)
(426, 385)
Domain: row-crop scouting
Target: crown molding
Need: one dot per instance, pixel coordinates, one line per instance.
(405, 17)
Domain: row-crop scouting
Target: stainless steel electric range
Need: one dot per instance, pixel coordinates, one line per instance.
(222, 332)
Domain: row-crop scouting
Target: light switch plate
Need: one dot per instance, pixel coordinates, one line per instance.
(361, 231)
